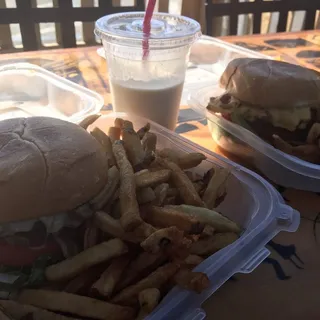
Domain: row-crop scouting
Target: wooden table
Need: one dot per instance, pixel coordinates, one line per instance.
(286, 286)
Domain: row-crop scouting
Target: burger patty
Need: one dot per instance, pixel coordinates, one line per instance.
(266, 130)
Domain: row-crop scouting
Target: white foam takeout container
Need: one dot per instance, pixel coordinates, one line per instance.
(279, 167)
(251, 202)
(28, 90)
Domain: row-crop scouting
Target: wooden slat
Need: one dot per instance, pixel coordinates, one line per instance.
(164, 6)
(257, 21)
(88, 27)
(27, 27)
(5, 33)
(309, 22)
(68, 36)
(233, 18)
(195, 10)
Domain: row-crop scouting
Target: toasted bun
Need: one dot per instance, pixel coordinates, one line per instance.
(47, 166)
(271, 84)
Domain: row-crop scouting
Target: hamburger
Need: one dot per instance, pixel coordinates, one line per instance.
(278, 101)
(50, 169)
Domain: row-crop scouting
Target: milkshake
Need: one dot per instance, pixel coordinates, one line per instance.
(156, 101)
(148, 86)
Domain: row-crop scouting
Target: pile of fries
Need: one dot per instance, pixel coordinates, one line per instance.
(152, 224)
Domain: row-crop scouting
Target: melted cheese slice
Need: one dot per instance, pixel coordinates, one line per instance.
(288, 119)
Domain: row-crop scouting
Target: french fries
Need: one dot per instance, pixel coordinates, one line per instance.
(16, 311)
(74, 304)
(210, 217)
(108, 191)
(85, 123)
(213, 244)
(111, 276)
(146, 229)
(148, 300)
(112, 227)
(195, 281)
(142, 131)
(114, 134)
(133, 147)
(106, 144)
(130, 216)
(71, 267)
(151, 179)
(161, 239)
(186, 189)
(166, 217)
(216, 187)
(156, 279)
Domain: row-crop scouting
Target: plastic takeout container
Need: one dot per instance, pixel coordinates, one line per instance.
(251, 202)
(281, 168)
(27, 90)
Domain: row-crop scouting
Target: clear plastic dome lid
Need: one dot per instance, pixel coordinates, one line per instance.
(167, 30)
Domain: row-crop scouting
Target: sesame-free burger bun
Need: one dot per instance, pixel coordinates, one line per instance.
(47, 166)
(271, 84)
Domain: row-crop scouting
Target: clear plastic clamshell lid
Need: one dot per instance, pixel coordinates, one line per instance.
(167, 30)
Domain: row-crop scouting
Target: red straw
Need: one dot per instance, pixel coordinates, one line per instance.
(147, 27)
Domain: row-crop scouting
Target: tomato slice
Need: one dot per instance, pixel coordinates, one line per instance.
(15, 256)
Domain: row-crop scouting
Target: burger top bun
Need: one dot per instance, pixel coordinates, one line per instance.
(47, 166)
(271, 84)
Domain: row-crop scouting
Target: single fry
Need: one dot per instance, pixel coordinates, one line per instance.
(133, 147)
(156, 279)
(210, 217)
(166, 217)
(139, 266)
(161, 192)
(77, 264)
(171, 154)
(149, 143)
(152, 179)
(142, 131)
(193, 260)
(146, 195)
(108, 191)
(216, 188)
(91, 235)
(114, 134)
(207, 231)
(144, 231)
(314, 134)
(127, 124)
(190, 160)
(111, 226)
(149, 299)
(185, 187)
(161, 239)
(210, 245)
(17, 311)
(81, 283)
(195, 281)
(130, 216)
(74, 304)
(85, 123)
(118, 122)
(106, 144)
(108, 280)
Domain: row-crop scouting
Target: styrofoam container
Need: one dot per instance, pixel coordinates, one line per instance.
(28, 90)
(251, 202)
(281, 168)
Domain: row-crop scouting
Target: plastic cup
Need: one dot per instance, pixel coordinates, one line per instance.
(149, 87)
